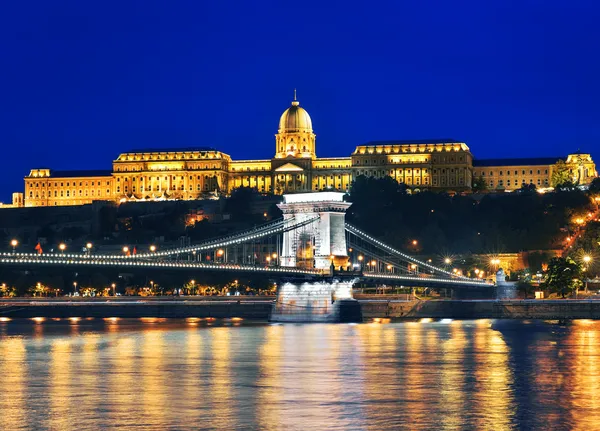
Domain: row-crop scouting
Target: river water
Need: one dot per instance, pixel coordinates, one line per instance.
(152, 374)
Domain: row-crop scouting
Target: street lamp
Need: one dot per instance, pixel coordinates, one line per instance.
(495, 262)
(360, 260)
(373, 263)
(389, 268)
(125, 249)
(14, 244)
(114, 287)
(220, 252)
(89, 246)
(74, 287)
(62, 247)
(415, 242)
(448, 261)
(152, 248)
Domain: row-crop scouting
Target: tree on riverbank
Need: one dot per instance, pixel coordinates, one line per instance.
(564, 276)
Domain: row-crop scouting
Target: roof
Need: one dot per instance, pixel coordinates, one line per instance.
(170, 150)
(76, 174)
(415, 142)
(534, 161)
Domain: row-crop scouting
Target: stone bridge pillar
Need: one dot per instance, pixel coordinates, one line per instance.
(313, 245)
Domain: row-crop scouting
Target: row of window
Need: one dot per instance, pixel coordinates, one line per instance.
(62, 184)
(166, 168)
(428, 149)
(516, 183)
(165, 178)
(67, 193)
(501, 173)
(158, 188)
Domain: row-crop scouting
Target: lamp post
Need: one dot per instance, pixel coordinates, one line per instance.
(586, 260)
(62, 247)
(125, 250)
(360, 260)
(152, 248)
(74, 287)
(14, 243)
(114, 287)
(88, 247)
(220, 253)
(274, 257)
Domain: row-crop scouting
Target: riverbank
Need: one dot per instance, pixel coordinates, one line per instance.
(259, 308)
(564, 309)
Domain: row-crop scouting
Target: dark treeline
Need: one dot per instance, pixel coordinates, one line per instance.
(505, 222)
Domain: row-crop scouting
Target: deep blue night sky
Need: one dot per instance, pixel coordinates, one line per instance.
(82, 81)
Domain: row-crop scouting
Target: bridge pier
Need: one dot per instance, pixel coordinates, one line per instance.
(316, 301)
(318, 245)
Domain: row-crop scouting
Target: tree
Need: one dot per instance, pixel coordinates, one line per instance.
(479, 184)
(524, 288)
(528, 188)
(564, 276)
(560, 174)
(594, 187)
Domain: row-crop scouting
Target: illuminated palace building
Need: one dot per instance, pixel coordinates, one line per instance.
(195, 173)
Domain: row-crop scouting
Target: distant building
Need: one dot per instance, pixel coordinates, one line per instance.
(194, 173)
(512, 174)
(17, 201)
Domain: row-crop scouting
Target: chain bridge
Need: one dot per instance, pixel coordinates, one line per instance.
(312, 253)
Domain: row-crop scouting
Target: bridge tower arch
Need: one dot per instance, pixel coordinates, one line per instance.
(315, 244)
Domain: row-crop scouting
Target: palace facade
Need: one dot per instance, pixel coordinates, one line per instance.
(195, 173)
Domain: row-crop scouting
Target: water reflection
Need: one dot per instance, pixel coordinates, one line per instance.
(164, 374)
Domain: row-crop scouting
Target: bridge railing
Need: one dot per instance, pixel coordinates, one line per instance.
(391, 250)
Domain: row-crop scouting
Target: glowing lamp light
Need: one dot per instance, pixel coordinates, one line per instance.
(360, 258)
(89, 245)
(587, 258)
(14, 243)
(447, 261)
(125, 249)
(153, 248)
(220, 252)
(62, 246)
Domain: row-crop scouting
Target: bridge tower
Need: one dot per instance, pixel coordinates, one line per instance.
(314, 245)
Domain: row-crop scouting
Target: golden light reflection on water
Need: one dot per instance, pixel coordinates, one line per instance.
(152, 399)
(173, 375)
(12, 384)
(221, 395)
(493, 404)
(584, 377)
(272, 391)
(452, 378)
(121, 372)
(61, 387)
